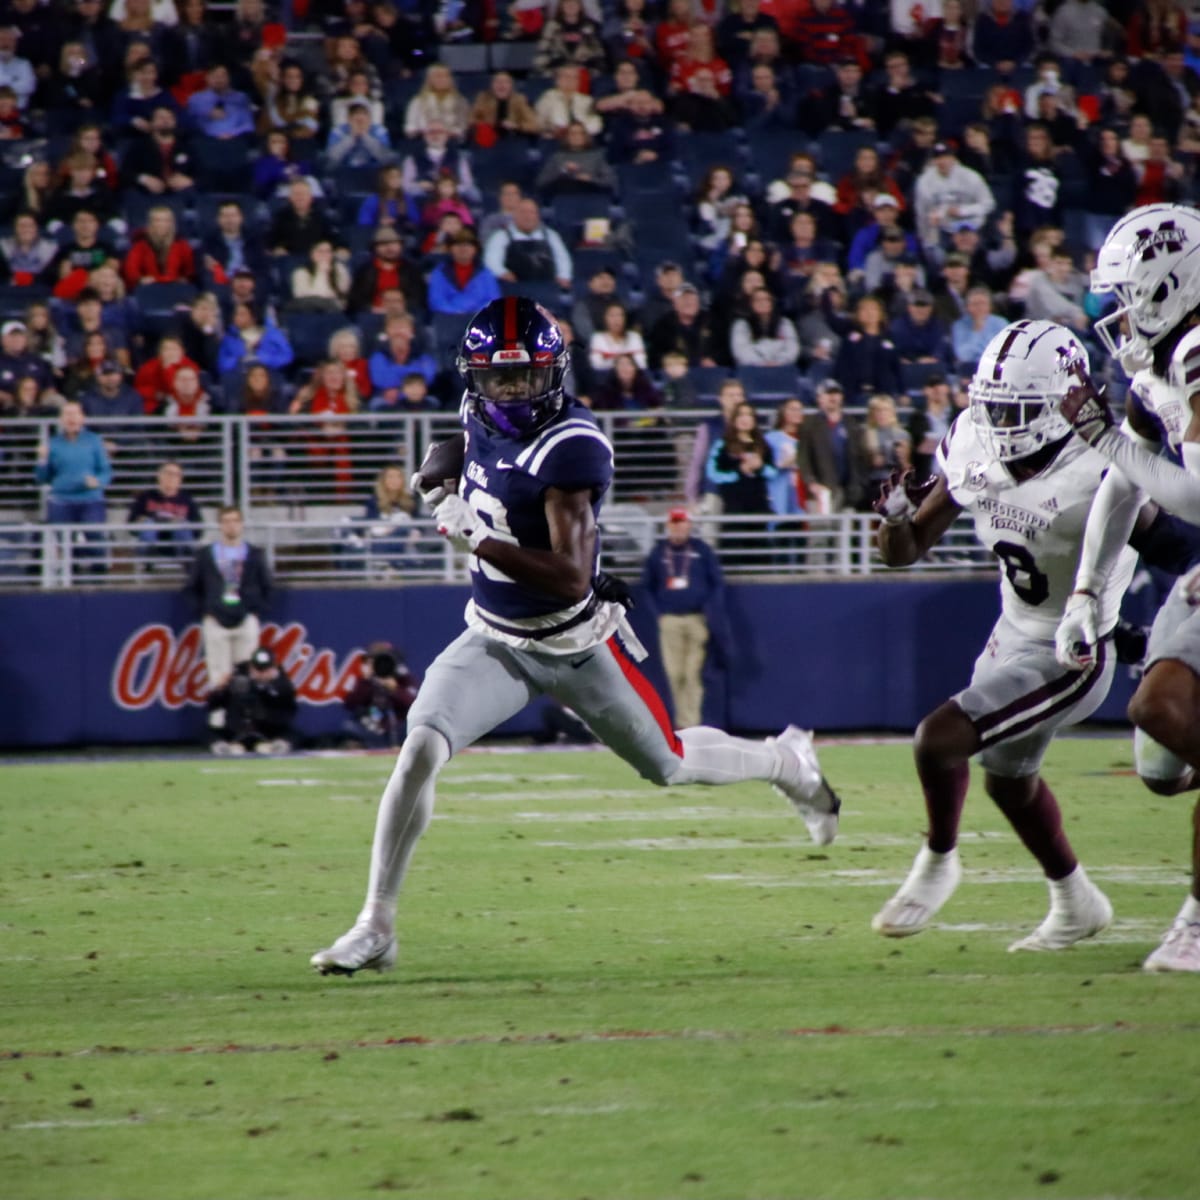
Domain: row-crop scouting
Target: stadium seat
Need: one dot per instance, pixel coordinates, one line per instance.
(570, 211)
(769, 383)
(447, 329)
(309, 333)
(160, 306)
(708, 380)
(913, 375)
(835, 150)
(545, 292)
(464, 57)
(516, 57)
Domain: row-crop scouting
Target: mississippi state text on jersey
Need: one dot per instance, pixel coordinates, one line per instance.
(1035, 528)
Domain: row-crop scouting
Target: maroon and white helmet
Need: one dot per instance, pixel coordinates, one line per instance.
(1150, 262)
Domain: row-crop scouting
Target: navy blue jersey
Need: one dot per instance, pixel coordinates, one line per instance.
(505, 481)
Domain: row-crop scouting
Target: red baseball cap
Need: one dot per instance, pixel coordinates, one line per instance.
(679, 514)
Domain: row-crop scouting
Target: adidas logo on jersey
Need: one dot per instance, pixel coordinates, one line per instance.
(1050, 505)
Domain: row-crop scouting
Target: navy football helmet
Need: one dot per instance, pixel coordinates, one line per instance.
(514, 358)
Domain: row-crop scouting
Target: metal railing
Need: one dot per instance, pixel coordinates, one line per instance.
(347, 551)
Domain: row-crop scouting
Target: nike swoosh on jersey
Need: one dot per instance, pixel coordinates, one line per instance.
(501, 465)
(583, 662)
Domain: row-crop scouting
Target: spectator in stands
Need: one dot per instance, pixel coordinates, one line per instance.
(229, 248)
(587, 313)
(736, 30)
(440, 103)
(18, 362)
(1057, 293)
(15, 72)
(888, 445)
(27, 257)
(686, 329)
(1082, 30)
(12, 121)
(445, 213)
(358, 91)
(299, 224)
(740, 469)
(1002, 36)
(765, 338)
(290, 106)
(857, 189)
(899, 98)
(686, 589)
(673, 32)
(166, 510)
(570, 36)
(952, 36)
(82, 370)
(947, 192)
(843, 104)
(413, 396)
(158, 254)
(345, 345)
(950, 289)
(614, 94)
(765, 102)
(251, 335)
(220, 111)
(89, 319)
(461, 283)
(135, 105)
(159, 161)
(918, 335)
(435, 155)
(558, 106)
(89, 26)
(800, 255)
(82, 190)
(322, 284)
(628, 33)
(156, 375)
(717, 196)
(627, 388)
(929, 423)
(700, 85)
(885, 208)
(74, 464)
(615, 339)
(660, 300)
(385, 269)
(387, 205)
(1155, 28)
(274, 168)
(970, 334)
(501, 112)
(396, 358)
(797, 196)
(527, 249)
(329, 394)
(867, 361)
(187, 406)
(45, 342)
(788, 491)
(118, 310)
(825, 33)
(358, 143)
(1037, 190)
(111, 395)
(201, 332)
(230, 586)
(700, 494)
(1161, 179)
(344, 58)
(576, 166)
(832, 453)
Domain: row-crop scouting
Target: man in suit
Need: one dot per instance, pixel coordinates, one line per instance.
(230, 584)
(831, 452)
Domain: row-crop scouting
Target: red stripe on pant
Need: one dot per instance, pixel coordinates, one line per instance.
(645, 689)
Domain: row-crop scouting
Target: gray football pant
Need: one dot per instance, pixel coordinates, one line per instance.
(476, 684)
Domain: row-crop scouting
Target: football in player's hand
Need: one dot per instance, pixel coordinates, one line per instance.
(442, 464)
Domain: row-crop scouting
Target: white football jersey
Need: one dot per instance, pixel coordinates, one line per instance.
(1034, 528)
(1167, 399)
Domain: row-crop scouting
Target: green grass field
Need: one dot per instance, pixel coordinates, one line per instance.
(605, 990)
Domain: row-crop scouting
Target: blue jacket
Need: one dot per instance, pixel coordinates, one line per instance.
(443, 295)
(70, 460)
(274, 351)
(387, 373)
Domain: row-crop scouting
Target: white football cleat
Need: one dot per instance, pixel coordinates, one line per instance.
(1080, 912)
(803, 784)
(931, 882)
(1179, 949)
(362, 949)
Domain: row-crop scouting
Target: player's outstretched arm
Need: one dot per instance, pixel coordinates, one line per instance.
(915, 516)
(565, 569)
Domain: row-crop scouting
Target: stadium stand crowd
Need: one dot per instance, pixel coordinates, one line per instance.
(244, 210)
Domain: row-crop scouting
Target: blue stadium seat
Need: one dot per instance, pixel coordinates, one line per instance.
(463, 57)
(769, 383)
(160, 306)
(546, 293)
(447, 330)
(913, 375)
(516, 57)
(835, 150)
(708, 380)
(309, 333)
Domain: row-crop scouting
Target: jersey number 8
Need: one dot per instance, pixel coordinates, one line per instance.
(1027, 581)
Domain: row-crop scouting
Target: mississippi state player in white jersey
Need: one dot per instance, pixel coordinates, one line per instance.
(1010, 461)
(535, 472)
(1150, 263)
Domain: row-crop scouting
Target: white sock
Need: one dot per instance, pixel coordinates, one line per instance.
(1191, 910)
(405, 811)
(1064, 891)
(712, 756)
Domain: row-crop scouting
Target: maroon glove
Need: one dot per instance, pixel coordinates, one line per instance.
(1085, 406)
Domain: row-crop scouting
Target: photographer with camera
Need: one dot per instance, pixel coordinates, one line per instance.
(259, 703)
(378, 703)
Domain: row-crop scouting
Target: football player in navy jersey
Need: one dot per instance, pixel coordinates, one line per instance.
(535, 470)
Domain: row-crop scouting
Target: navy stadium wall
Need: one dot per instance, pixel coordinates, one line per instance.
(94, 668)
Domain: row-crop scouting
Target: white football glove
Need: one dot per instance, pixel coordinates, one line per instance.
(1077, 634)
(460, 523)
(432, 496)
